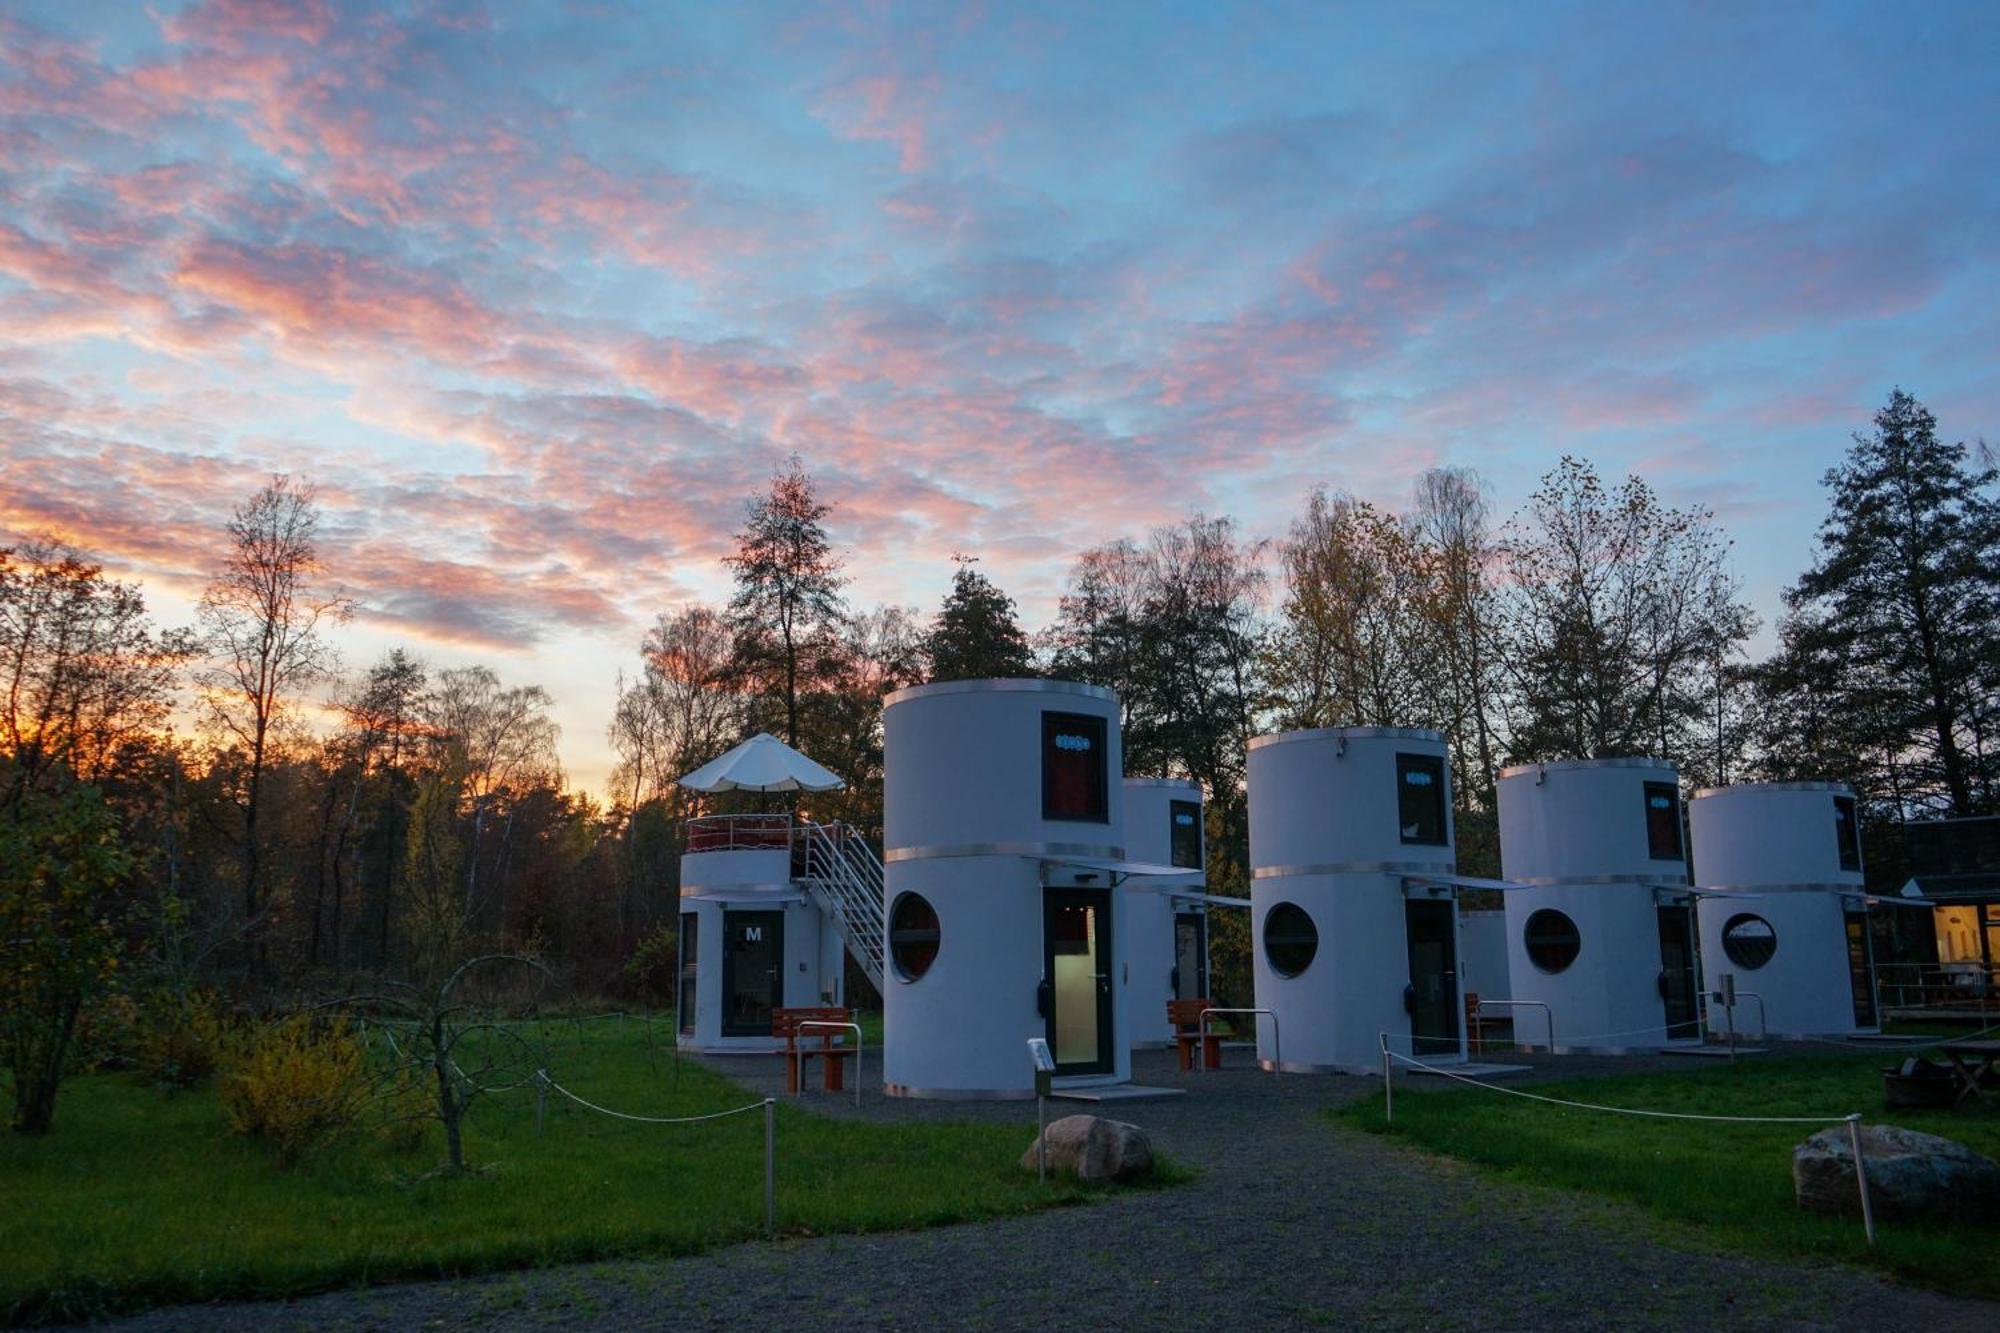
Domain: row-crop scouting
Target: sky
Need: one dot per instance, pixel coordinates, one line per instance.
(538, 294)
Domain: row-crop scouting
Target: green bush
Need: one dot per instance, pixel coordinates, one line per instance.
(107, 1035)
(183, 1038)
(299, 1084)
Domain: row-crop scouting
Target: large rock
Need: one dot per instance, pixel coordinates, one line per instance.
(1092, 1148)
(1909, 1175)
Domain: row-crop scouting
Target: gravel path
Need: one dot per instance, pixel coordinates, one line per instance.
(1294, 1222)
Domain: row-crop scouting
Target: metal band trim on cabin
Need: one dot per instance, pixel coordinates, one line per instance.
(787, 892)
(1008, 686)
(1567, 765)
(1836, 788)
(1354, 868)
(1037, 850)
(1754, 890)
(1585, 881)
(1349, 733)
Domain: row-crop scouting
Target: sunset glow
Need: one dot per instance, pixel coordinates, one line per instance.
(538, 295)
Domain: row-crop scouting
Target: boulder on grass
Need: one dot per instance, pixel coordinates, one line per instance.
(1090, 1147)
(1909, 1175)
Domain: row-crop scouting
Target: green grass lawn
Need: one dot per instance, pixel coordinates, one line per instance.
(138, 1198)
(1732, 1183)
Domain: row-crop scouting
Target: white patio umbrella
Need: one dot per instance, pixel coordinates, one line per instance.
(762, 763)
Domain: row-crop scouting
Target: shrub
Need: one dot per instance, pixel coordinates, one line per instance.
(299, 1084)
(182, 1038)
(107, 1034)
(654, 965)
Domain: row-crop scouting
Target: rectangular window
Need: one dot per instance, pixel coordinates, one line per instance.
(1075, 775)
(1420, 798)
(1849, 835)
(689, 937)
(1184, 845)
(1663, 821)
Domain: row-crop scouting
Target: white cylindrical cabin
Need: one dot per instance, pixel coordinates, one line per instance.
(1604, 935)
(1166, 937)
(1346, 944)
(751, 938)
(993, 791)
(1482, 964)
(1801, 944)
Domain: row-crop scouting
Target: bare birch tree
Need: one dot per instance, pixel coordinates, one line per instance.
(263, 614)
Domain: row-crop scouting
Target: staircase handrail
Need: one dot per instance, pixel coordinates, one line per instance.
(851, 883)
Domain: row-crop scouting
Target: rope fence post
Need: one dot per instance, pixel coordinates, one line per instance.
(541, 1099)
(1852, 1120)
(771, 1168)
(1861, 1177)
(1388, 1082)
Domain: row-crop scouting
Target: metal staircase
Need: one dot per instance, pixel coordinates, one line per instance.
(844, 876)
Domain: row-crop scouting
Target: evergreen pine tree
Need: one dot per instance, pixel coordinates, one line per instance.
(975, 635)
(1905, 600)
(788, 611)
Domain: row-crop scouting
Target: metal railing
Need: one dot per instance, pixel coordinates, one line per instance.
(833, 861)
(855, 1028)
(737, 833)
(1277, 1049)
(1548, 1014)
(1960, 985)
(1715, 1002)
(844, 875)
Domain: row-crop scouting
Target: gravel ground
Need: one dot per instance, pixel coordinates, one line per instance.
(1293, 1222)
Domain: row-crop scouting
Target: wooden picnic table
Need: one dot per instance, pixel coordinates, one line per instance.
(1973, 1061)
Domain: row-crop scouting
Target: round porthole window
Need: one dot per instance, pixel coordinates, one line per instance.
(1290, 939)
(1551, 939)
(1749, 940)
(913, 935)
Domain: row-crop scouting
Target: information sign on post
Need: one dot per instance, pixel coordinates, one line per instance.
(1045, 1070)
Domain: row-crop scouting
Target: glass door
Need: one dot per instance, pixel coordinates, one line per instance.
(1861, 968)
(1076, 925)
(1190, 956)
(752, 971)
(1677, 984)
(1433, 993)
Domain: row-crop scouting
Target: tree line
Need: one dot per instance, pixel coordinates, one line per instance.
(314, 826)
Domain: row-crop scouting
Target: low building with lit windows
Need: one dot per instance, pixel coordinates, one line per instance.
(1945, 958)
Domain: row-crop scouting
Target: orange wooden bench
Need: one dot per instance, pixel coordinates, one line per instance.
(1476, 1024)
(1185, 1018)
(799, 1048)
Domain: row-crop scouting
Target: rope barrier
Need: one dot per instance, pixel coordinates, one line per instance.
(1851, 1120)
(769, 1106)
(1616, 1110)
(650, 1119)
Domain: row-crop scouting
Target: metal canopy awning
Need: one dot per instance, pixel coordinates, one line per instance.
(1120, 871)
(1662, 892)
(1125, 869)
(1870, 899)
(1466, 882)
(1945, 890)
